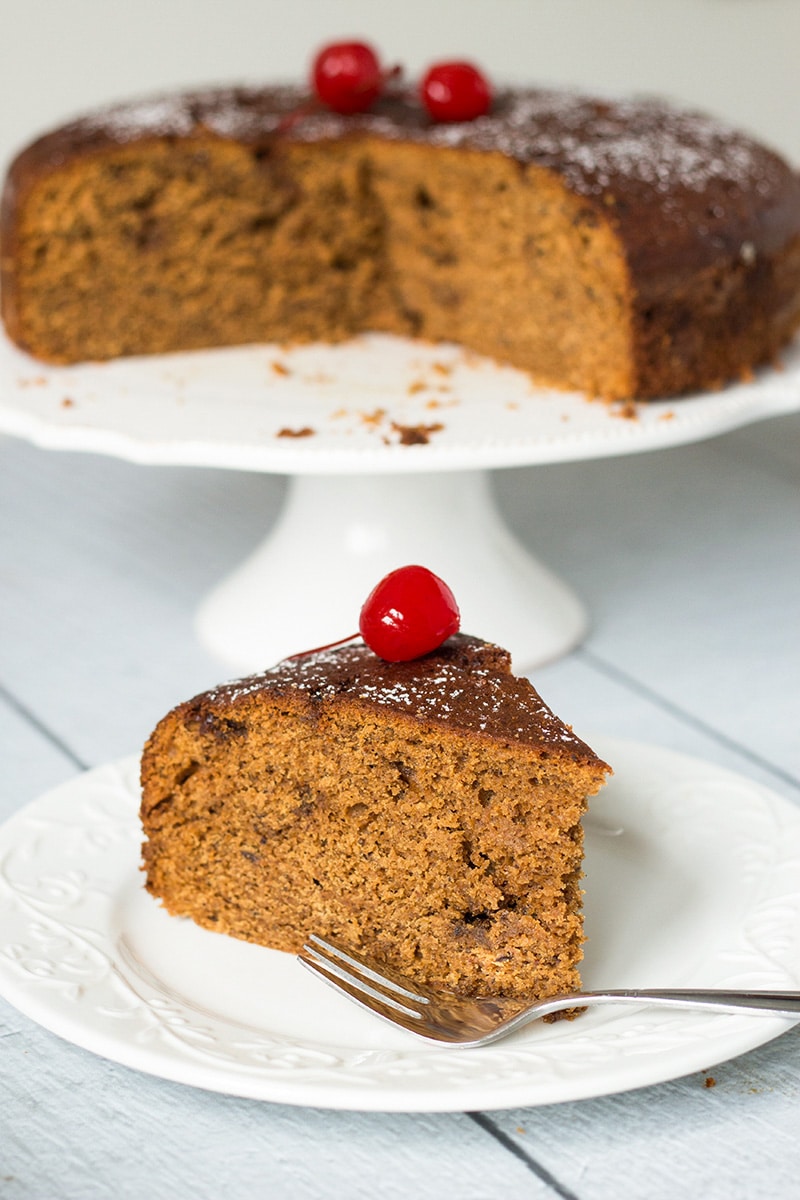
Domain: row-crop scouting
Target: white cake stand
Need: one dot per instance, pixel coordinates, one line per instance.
(388, 444)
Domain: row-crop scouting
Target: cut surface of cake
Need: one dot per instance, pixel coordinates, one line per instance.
(427, 812)
(625, 249)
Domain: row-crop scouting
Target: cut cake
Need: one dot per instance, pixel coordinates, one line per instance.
(426, 811)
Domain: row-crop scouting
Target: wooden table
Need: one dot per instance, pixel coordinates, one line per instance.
(689, 562)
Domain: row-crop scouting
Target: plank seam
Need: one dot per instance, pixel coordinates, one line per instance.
(681, 714)
(26, 714)
(541, 1172)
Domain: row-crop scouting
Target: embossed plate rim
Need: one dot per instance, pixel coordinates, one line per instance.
(69, 961)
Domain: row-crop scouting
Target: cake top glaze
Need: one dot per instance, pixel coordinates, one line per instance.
(678, 184)
(466, 684)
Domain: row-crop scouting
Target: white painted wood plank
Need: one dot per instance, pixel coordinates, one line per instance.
(737, 1140)
(102, 567)
(596, 704)
(31, 762)
(688, 562)
(79, 1128)
(772, 445)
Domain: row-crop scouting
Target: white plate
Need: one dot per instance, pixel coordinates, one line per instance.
(693, 877)
(227, 408)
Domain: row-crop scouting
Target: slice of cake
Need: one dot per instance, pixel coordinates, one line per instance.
(427, 811)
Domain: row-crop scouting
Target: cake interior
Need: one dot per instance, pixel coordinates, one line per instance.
(456, 861)
(169, 244)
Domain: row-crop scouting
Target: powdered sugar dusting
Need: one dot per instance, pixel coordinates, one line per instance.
(593, 143)
(157, 115)
(453, 686)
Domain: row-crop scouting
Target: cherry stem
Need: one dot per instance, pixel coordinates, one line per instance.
(319, 649)
(313, 105)
(306, 109)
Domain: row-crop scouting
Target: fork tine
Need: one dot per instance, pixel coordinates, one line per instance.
(359, 989)
(440, 1016)
(365, 967)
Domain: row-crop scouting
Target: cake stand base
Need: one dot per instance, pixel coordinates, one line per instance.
(336, 536)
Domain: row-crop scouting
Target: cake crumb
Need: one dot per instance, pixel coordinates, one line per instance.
(67, 402)
(452, 402)
(280, 368)
(306, 431)
(416, 435)
(709, 1081)
(373, 418)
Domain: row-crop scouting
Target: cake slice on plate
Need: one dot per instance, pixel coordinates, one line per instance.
(427, 811)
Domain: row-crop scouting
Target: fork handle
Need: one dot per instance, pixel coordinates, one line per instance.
(784, 1004)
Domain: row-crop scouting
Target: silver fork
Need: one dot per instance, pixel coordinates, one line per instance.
(458, 1020)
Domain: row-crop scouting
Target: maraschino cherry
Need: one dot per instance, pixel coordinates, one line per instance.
(347, 77)
(408, 614)
(455, 91)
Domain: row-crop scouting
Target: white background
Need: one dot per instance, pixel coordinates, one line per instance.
(738, 58)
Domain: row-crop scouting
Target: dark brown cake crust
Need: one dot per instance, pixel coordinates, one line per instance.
(434, 690)
(708, 220)
(428, 812)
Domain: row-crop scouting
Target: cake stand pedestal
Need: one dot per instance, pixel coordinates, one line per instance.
(388, 444)
(338, 535)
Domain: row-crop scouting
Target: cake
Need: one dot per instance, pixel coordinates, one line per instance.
(627, 249)
(425, 811)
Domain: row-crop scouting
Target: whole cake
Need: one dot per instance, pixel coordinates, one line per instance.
(426, 811)
(626, 249)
